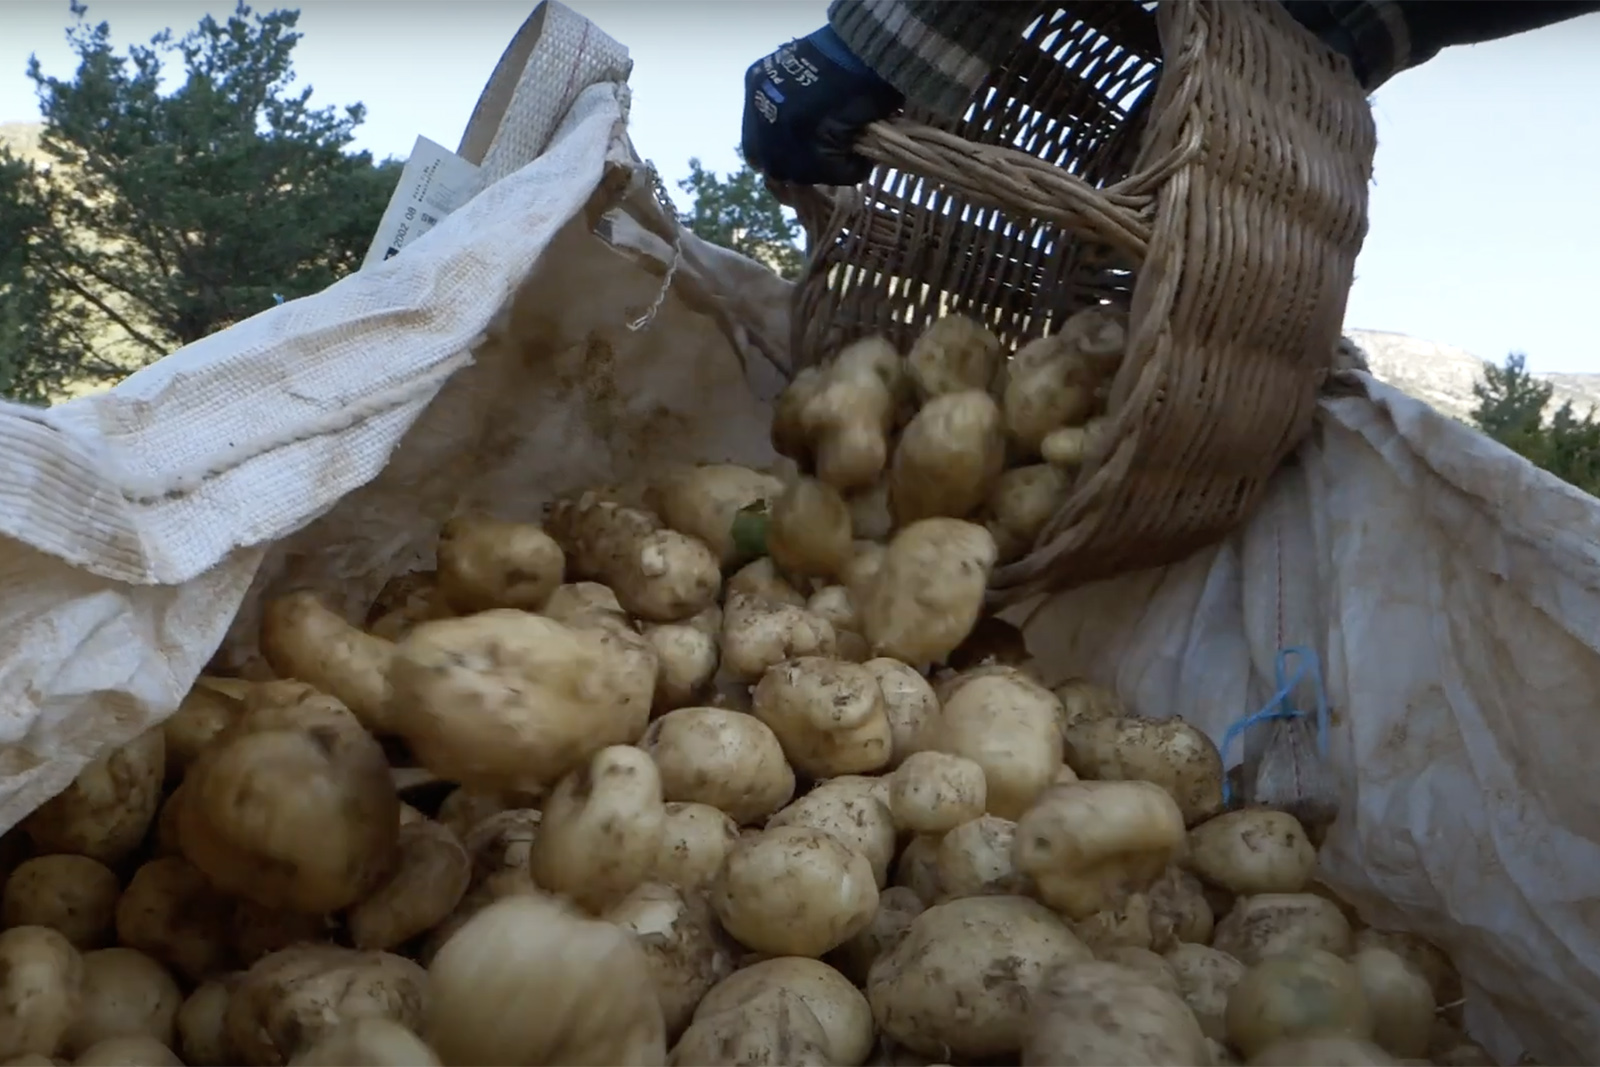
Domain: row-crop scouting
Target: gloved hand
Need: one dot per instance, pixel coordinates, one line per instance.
(804, 107)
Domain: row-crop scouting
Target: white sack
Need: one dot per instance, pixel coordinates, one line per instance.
(1452, 590)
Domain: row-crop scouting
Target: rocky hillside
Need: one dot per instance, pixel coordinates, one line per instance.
(22, 138)
(1443, 375)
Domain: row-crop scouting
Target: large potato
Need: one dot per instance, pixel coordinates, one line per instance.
(726, 759)
(1007, 724)
(850, 809)
(948, 458)
(369, 1042)
(125, 994)
(601, 829)
(687, 952)
(1169, 752)
(695, 839)
(935, 792)
(306, 641)
(1096, 1014)
(41, 990)
(430, 877)
(658, 574)
(1311, 993)
(1206, 976)
(1252, 851)
(828, 715)
(926, 595)
(810, 531)
(528, 981)
(486, 563)
(289, 1000)
(794, 891)
(509, 700)
(74, 895)
(952, 355)
(909, 704)
(108, 807)
(703, 501)
(292, 806)
(758, 634)
(171, 912)
(1429, 960)
(1272, 923)
(962, 980)
(838, 1006)
(776, 1029)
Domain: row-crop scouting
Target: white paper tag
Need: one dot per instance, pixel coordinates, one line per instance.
(434, 182)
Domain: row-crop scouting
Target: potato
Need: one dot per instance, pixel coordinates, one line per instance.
(202, 1024)
(726, 759)
(1083, 701)
(498, 886)
(289, 1000)
(760, 579)
(695, 839)
(292, 806)
(108, 807)
(1019, 505)
(1150, 967)
(575, 603)
(897, 906)
(975, 859)
(1071, 446)
(1050, 386)
(809, 532)
(133, 1050)
(465, 808)
(948, 458)
(486, 563)
(1322, 1052)
(170, 912)
(1205, 978)
(847, 420)
(430, 877)
(1400, 998)
(686, 951)
(758, 634)
(527, 980)
(1272, 923)
(404, 601)
(794, 891)
(306, 641)
(827, 715)
(371, 1042)
(934, 792)
(689, 658)
(1125, 926)
(961, 981)
(1089, 845)
(952, 355)
(503, 843)
(864, 565)
(870, 518)
(926, 596)
(703, 501)
(203, 715)
(833, 603)
(164, 838)
(1309, 993)
(850, 810)
(1093, 1014)
(74, 895)
(1005, 723)
(601, 829)
(776, 1029)
(1168, 752)
(1428, 959)
(789, 435)
(41, 990)
(260, 931)
(1252, 851)
(125, 994)
(917, 868)
(1178, 911)
(658, 574)
(509, 700)
(909, 704)
(838, 1006)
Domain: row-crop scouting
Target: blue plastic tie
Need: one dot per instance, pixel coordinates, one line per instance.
(1279, 707)
(277, 298)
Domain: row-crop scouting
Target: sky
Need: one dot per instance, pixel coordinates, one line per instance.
(1485, 212)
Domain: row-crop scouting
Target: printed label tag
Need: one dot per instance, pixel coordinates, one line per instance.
(434, 182)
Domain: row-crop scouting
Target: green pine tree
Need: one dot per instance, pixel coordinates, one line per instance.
(738, 212)
(1511, 405)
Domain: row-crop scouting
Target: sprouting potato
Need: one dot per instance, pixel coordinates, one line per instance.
(809, 531)
(828, 715)
(948, 459)
(952, 355)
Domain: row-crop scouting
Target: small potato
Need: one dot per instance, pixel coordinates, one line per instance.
(847, 420)
(1071, 446)
(1428, 959)
(917, 869)
(686, 951)
(794, 891)
(1022, 501)
(726, 759)
(961, 981)
(1124, 926)
(202, 1024)
(1050, 386)
(789, 436)
(658, 574)
(1323, 1052)
(1089, 845)
(849, 809)
(689, 658)
(948, 458)
(809, 532)
(305, 640)
(1152, 968)
(601, 829)
(503, 843)
(106, 810)
(1206, 976)
(897, 906)
(695, 839)
(703, 501)
(1252, 851)
(760, 579)
(1094, 1014)
(170, 912)
(759, 634)
(125, 994)
(776, 1029)
(1006, 723)
(1169, 752)
(1296, 995)
(290, 999)
(952, 355)
(41, 990)
(1270, 924)
(74, 895)
(1082, 701)
(509, 700)
(574, 603)
(974, 859)
(1179, 911)
(926, 596)
(834, 604)
(132, 1050)
(293, 806)
(527, 980)
(909, 703)
(1401, 1001)
(838, 1006)
(486, 563)
(934, 792)
(864, 565)
(431, 876)
(203, 715)
(827, 715)
(371, 1042)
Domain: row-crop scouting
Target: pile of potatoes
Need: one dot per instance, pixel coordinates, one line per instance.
(725, 767)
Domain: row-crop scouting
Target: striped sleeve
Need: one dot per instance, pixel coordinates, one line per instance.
(936, 52)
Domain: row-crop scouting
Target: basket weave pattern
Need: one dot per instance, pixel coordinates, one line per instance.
(1223, 209)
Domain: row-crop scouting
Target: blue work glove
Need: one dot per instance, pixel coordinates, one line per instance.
(804, 107)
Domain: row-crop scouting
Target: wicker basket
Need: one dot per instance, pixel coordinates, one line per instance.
(1203, 164)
